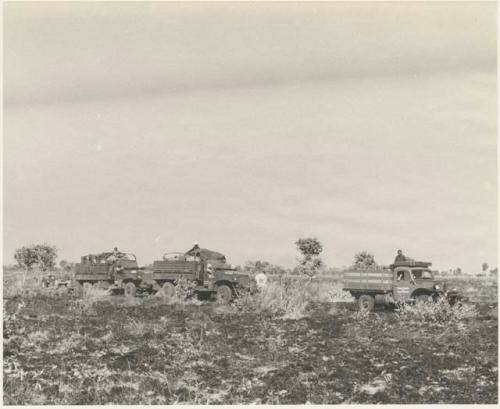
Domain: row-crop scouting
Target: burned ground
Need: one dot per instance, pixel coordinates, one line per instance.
(61, 350)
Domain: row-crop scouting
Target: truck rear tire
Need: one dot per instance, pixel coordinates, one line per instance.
(366, 303)
(167, 290)
(130, 290)
(224, 294)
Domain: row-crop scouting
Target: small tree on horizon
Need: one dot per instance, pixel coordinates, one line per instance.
(364, 260)
(485, 266)
(310, 248)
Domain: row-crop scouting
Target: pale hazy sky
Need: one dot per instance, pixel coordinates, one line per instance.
(247, 126)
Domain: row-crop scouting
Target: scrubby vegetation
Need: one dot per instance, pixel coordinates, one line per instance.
(299, 340)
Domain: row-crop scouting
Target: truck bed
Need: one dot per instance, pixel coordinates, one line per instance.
(377, 280)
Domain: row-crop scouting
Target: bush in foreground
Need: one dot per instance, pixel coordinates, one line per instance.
(436, 312)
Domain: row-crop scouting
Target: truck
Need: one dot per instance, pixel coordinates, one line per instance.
(109, 271)
(401, 282)
(207, 271)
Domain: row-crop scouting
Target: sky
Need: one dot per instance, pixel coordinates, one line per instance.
(243, 127)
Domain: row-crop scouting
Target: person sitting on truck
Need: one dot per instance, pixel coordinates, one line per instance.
(400, 258)
(114, 256)
(401, 275)
(195, 249)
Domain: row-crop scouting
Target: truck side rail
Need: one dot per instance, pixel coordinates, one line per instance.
(176, 267)
(372, 280)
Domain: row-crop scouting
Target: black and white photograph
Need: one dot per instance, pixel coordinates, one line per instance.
(235, 203)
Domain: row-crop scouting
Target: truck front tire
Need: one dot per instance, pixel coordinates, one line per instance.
(366, 303)
(424, 298)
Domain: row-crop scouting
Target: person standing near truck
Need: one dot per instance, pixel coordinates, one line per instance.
(111, 262)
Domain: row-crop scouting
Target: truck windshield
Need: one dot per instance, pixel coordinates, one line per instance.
(422, 274)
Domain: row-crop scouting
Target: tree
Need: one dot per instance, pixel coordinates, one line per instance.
(65, 265)
(42, 256)
(310, 248)
(485, 266)
(364, 260)
(494, 271)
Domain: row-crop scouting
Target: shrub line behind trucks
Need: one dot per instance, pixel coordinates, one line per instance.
(402, 282)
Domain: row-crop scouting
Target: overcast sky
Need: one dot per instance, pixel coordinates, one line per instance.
(246, 126)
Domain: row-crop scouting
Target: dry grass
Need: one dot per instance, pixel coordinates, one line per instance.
(297, 341)
(286, 297)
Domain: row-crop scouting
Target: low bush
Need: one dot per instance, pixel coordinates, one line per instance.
(90, 297)
(436, 312)
(184, 289)
(284, 297)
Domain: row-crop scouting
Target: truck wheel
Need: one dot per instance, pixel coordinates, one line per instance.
(130, 290)
(423, 298)
(224, 294)
(366, 302)
(167, 290)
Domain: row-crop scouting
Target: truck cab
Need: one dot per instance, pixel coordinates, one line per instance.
(414, 282)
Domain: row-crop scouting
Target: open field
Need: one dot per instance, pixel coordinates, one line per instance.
(311, 346)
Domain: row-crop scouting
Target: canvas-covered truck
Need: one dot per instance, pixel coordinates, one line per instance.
(402, 282)
(115, 271)
(208, 279)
